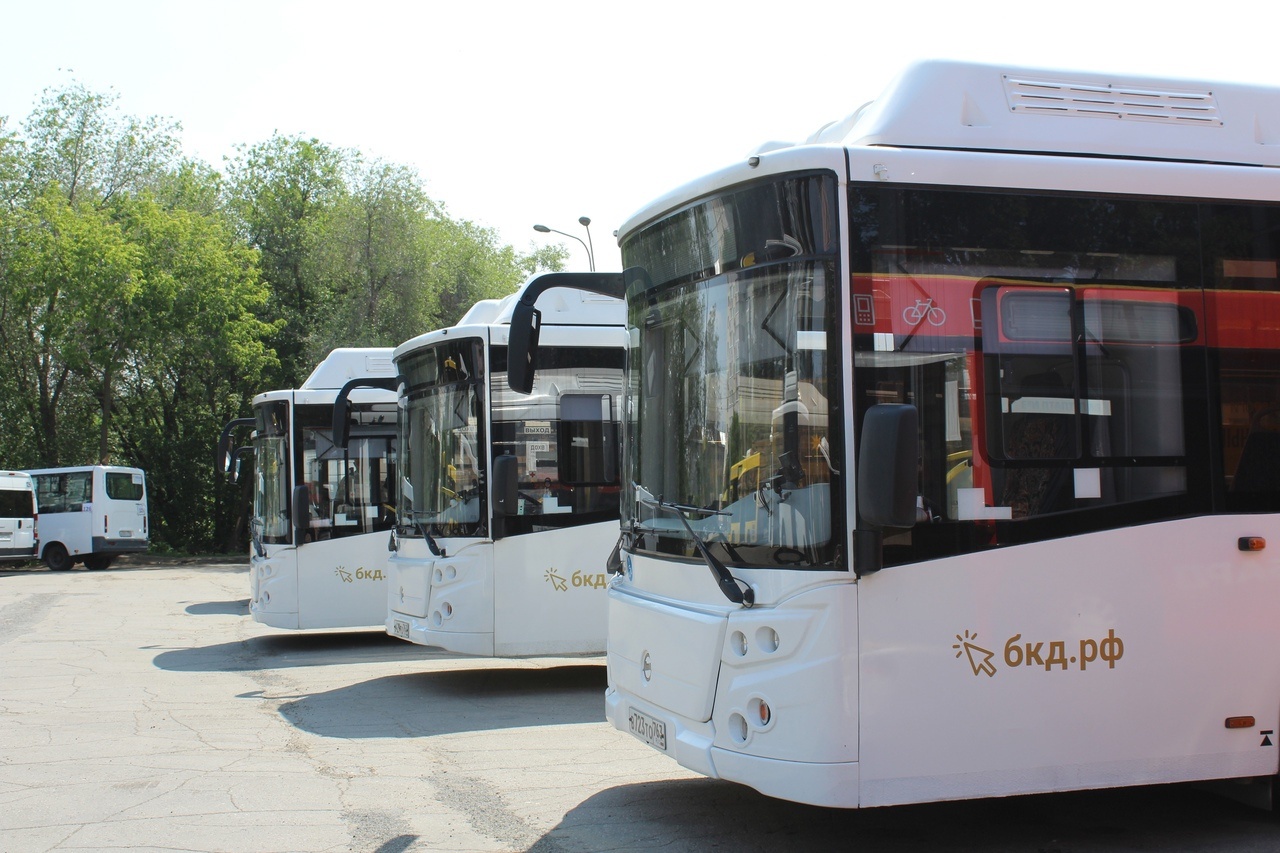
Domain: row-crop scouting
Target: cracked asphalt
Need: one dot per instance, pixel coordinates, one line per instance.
(143, 710)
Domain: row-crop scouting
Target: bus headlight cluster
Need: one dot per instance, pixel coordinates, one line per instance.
(758, 717)
(438, 617)
(765, 640)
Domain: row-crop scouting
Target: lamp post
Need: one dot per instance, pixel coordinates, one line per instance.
(584, 221)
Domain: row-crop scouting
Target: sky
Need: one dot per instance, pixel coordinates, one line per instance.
(516, 113)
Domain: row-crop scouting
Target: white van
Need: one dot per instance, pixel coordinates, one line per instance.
(18, 538)
(90, 514)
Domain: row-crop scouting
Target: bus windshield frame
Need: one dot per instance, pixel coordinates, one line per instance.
(441, 462)
(733, 309)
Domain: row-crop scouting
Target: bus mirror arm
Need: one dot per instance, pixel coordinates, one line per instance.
(613, 563)
(342, 404)
(887, 479)
(236, 456)
(224, 455)
(522, 340)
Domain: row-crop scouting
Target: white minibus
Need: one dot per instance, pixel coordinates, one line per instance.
(90, 514)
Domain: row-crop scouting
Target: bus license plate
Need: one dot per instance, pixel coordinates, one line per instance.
(400, 628)
(649, 730)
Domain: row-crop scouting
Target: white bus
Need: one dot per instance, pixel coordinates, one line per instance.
(1007, 345)
(508, 503)
(18, 516)
(322, 511)
(90, 514)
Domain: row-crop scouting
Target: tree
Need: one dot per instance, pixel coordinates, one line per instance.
(77, 141)
(144, 299)
(282, 190)
(68, 283)
(371, 250)
(68, 276)
(395, 265)
(469, 263)
(200, 357)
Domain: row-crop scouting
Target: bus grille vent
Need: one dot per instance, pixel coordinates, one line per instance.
(1058, 97)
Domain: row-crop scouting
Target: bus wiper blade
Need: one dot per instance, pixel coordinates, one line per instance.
(255, 536)
(417, 519)
(733, 589)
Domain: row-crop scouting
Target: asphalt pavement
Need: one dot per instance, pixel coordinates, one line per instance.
(144, 710)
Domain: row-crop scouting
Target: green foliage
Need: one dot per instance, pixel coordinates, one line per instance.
(197, 366)
(281, 192)
(145, 299)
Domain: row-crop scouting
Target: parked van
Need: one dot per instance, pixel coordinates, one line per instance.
(18, 513)
(92, 513)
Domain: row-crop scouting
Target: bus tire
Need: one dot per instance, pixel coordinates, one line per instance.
(56, 557)
(97, 561)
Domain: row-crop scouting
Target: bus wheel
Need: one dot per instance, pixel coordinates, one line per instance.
(56, 557)
(97, 561)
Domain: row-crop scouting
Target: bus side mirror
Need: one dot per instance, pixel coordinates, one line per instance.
(522, 346)
(301, 513)
(506, 492)
(887, 466)
(887, 479)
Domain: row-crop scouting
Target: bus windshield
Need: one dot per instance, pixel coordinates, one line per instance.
(271, 474)
(728, 410)
(440, 470)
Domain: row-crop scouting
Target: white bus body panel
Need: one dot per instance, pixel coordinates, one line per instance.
(18, 532)
(536, 594)
(1053, 666)
(333, 583)
(1177, 619)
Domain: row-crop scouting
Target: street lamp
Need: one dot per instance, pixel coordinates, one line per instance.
(584, 221)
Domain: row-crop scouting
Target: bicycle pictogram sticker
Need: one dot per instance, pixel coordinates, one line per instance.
(922, 310)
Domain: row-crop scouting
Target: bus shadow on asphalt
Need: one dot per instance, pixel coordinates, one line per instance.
(692, 814)
(454, 701)
(220, 608)
(286, 651)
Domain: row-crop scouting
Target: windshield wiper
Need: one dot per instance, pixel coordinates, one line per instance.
(256, 527)
(735, 590)
(416, 518)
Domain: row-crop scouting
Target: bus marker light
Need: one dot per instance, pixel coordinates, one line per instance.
(766, 715)
(1252, 543)
(1240, 722)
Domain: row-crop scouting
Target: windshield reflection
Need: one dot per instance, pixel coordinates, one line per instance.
(440, 469)
(729, 418)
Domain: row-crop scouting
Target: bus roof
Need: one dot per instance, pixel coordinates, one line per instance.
(346, 363)
(981, 109)
(560, 306)
(975, 107)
